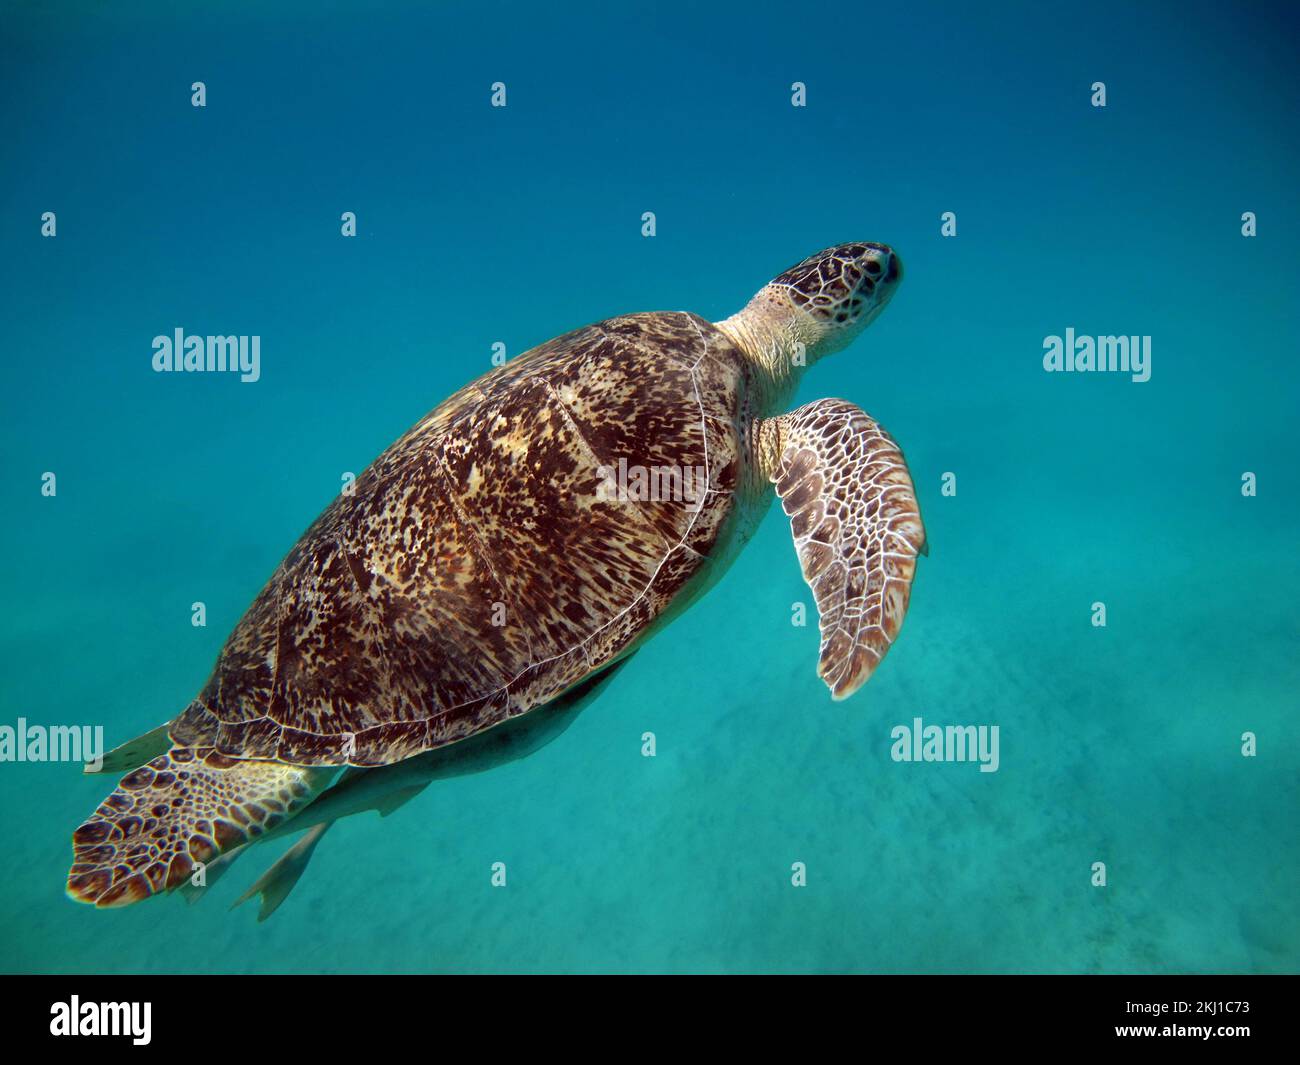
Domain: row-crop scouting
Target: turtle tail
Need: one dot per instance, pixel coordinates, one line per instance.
(169, 818)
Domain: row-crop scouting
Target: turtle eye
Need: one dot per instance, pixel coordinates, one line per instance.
(873, 267)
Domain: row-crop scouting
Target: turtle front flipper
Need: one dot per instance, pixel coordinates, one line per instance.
(856, 525)
(183, 808)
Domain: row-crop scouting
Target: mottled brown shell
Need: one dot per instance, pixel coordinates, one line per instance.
(476, 570)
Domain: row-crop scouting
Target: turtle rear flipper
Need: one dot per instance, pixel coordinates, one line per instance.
(184, 808)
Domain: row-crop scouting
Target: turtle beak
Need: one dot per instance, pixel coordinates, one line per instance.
(894, 272)
(885, 269)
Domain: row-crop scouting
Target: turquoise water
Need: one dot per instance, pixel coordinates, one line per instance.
(476, 225)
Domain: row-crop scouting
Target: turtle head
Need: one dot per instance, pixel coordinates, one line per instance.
(840, 290)
(818, 306)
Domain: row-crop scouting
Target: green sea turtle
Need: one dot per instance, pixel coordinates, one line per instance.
(487, 571)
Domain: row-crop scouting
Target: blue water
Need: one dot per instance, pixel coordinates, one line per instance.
(1120, 744)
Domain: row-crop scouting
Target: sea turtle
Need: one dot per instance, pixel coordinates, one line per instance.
(508, 551)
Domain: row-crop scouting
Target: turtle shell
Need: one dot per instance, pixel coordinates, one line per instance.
(498, 553)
